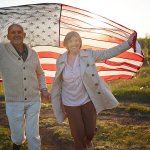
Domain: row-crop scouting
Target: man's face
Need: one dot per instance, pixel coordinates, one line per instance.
(16, 35)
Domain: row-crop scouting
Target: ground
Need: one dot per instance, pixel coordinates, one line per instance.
(47, 140)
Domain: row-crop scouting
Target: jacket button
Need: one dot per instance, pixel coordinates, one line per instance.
(25, 89)
(99, 92)
(92, 75)
(96, 84)
(19, 58)
(25, 98)
(88, 65)
(24, 68)
(24, 78)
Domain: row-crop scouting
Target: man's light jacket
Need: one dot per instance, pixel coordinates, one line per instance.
(22, 80)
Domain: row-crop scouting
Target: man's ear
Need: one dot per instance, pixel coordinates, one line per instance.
(7, 36)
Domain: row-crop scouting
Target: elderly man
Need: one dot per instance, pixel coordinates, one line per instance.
(23, 79)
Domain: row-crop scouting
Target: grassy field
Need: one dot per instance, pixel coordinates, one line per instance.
(126, 127)
(123, 128)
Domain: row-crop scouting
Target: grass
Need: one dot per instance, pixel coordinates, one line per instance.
(118, 129)
(134, 90)
(4, 138)
(123, 128)
(113, 135)
(5, 142)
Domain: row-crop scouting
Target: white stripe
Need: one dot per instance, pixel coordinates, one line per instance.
(101, 73)
(48, 61)
(53, 61)
(62, 50)
(96, 21)
(111, 73)
(49, 48)
(49, 73)
(95, 43)
(115, 67)
(121, 60)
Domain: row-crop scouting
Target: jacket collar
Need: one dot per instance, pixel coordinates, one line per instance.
(12, 49)
(63, 58)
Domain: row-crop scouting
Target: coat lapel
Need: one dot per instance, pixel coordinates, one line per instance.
(83, 61)
(61, 64)
(63, 59)
(29, 52)
(12, 49)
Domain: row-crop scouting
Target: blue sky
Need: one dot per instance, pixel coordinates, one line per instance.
(134, 14)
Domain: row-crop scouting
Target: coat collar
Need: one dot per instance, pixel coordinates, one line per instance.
(12, 49)
(83, 62)
(63, 57)
(83, 53)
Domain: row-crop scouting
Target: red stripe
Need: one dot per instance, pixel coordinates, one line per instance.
(49, 80)
(131, 56)
(116, 77)
(125, 55)
(48, 54)
(111, 63)
(77, 10)
(94, 34)
(109, 69)
(50, 67)
(84, 47)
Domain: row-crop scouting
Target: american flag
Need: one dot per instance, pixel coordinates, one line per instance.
(47, 24)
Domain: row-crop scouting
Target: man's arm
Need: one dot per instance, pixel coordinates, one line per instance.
(42, 80)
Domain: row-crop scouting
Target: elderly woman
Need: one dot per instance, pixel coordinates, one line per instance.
(78, 92)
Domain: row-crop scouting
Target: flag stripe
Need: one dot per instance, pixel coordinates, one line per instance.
(117, 77)
(125, 55)
(101, 73)
(95, 35)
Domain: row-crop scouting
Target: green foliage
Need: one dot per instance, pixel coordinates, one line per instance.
(145, 44)
(5, 141)
(133, 94)
(1, 89)
(133, 90)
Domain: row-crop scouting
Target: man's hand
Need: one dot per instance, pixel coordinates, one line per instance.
(45, 95)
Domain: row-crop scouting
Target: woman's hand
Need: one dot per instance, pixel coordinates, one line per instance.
(45, 95)
(131, 38)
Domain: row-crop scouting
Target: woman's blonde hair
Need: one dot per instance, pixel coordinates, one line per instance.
(69, 35)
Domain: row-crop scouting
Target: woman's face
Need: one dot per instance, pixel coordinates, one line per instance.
(74, 45)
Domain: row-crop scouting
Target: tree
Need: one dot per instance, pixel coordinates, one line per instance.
(145, 44)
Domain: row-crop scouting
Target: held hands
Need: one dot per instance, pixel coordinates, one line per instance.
(131, 38)
(45, 95)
